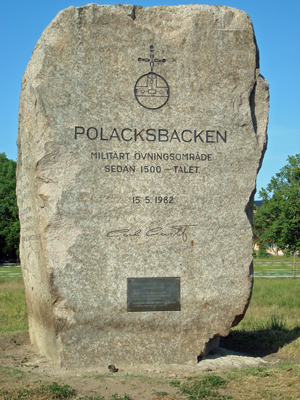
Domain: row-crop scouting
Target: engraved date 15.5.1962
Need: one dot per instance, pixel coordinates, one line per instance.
(155, 200)
(180, 231)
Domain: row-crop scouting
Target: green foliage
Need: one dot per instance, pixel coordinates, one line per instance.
(277, 221)
(117, 397)
(9, 222)
(262, 252)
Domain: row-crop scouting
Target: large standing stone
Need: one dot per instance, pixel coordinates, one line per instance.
(141, 133)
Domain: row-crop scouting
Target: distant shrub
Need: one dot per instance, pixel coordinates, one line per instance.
(262, 252)
(287, 253)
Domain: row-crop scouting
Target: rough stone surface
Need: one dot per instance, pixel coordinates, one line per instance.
(86, 227)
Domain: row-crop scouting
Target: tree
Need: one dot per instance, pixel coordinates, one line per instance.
(9, 221)
(277, 221)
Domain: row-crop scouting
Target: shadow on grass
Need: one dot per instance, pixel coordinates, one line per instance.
(261, 341)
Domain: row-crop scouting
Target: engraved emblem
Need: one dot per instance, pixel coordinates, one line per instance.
(152, 90)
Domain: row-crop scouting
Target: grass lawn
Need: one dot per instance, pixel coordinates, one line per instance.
(13, 315)
(275, 265)
(272, 321)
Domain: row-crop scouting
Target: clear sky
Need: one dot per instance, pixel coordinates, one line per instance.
(277, 28)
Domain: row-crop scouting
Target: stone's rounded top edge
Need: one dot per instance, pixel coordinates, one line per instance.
(189, 7)
(104, 5)
(239, 14)
(184, 6)
(89, 5)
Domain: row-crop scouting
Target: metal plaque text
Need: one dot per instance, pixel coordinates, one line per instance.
(153, 294)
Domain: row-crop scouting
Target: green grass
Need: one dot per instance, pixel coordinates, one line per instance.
(9, 273)
(265, 339)
(13, 316)
(280, 381)
(117, 397)
(47, 392)
(57, 391)
(284, 292)
(203, 387)
(275, 265)
(273, 298)
(11, 372)
(99, 377)
(272, 321)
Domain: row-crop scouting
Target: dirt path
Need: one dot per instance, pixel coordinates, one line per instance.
(21, 365)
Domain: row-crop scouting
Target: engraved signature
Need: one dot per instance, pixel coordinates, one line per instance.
(171, 231)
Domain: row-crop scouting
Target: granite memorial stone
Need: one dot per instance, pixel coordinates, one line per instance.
(141, 132)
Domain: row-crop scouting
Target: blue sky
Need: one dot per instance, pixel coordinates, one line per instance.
(277, 28)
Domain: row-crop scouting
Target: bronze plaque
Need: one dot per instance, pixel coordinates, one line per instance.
(153, 294)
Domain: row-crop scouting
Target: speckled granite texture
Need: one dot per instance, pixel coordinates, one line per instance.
(139, 162)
